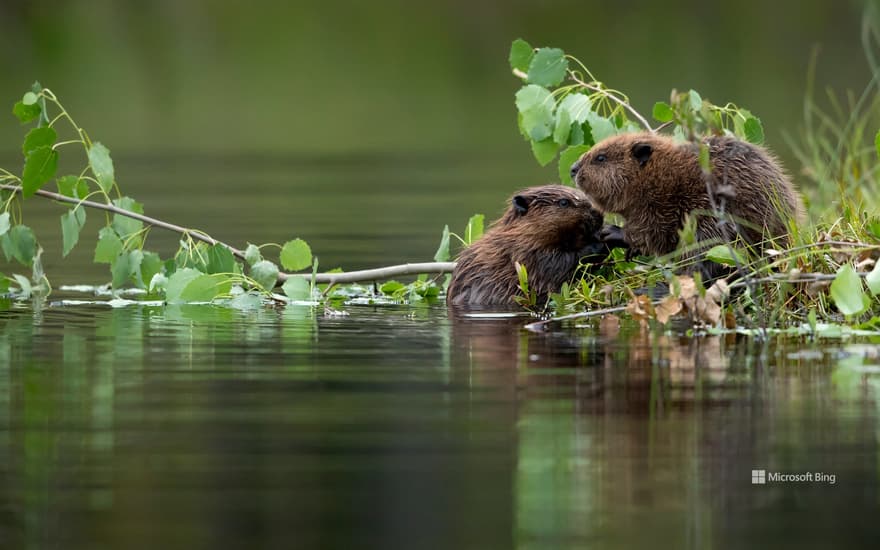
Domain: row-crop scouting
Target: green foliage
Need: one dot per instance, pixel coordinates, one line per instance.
(474, 229)
(72, 223)
(265, 274)
(663, 112)
(38, 137)
(39, 167)
(521, 55)
(296, 255)
(847, 292)
(567, 158)
(726, 255)
(20, 244)
(219, 259)
(102, 166)
(108, 247)
(297, 289)
(528, 297)
(73, 186)
(26, 113)
(442, 254)
(4, 223)
(547, 67)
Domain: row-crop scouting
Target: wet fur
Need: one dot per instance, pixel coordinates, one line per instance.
(654, 182)
(535, 231)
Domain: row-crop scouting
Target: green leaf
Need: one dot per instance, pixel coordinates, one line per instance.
(877, 142)
(219, 260)
(4, 223)
(102, 166)
(705, 158)
(38, 137)
(544, 151)
(538, 123)
(600, 127)
(847, 293)
(124, 226)
(576, 137)
(521, 54)
(696, 102)
(296, 255)
(390, 287)
(24, 286)
(252, 254)
(663, 112)
(547, 67)
(109, 246)
(178, 282)
(873, 279)
(73, 186)
(151, 264)
(25, 113)
(204, 288)
(577, 105)
(753, 130)
(474, 228)
(531, 96)
(265, 273)
(4, 284)
(122, 268)
(567, 158)
(725, 255)
(20, 243)
(71, 224)
(563, 127)
(39, 167)
(29, 98)
(442, 254)
(297, 289)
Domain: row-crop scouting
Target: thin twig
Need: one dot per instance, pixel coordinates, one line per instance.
(539, 326)
(616, 99)
(332, 278)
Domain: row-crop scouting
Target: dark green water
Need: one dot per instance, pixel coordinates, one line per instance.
(398, 426)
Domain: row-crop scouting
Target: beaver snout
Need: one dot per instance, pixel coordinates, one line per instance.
(574, 169)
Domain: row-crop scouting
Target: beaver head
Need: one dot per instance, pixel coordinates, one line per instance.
(551, 216)
(613, 172)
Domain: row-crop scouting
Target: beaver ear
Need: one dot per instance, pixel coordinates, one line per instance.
(642, 152)
(521, 204)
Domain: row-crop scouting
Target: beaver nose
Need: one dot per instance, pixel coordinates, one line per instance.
(574, 169)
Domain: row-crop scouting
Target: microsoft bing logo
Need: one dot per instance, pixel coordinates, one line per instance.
(759, 477)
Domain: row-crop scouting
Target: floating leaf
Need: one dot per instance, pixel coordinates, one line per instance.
(25, 113)
(109, 246)
(296, 255)
(205, 288)
(567, 158)
(177, 283)
(390, 287)
(753, 130)
(577, 105)
(39, 167)
(102, 166)
(219, 260)
(474, 228)
(847, 293)
(548, 67)
(663, 112)
(124, 226)
(544, 151)
(563, 127)
(20, 243)
(297, 289)
(72, 223)
(521, 54)
(873, 279)
(265, 273)
(38, 137)
(4, 223)
(73, 186)
(442, 254)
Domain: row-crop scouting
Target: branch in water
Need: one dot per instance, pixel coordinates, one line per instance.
(332, 278)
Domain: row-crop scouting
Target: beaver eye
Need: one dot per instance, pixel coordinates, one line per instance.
(599, 158)
(564, 202)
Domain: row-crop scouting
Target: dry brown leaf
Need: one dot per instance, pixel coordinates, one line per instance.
(718, 291)
(609, 326)
(688, 287)
(670, 306)
(640, 308)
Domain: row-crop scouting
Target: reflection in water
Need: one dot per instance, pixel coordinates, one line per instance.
(400, 427)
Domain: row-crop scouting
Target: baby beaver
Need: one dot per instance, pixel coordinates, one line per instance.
(654, 182)
(548, 229)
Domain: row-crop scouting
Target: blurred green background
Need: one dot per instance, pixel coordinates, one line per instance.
(340, 77)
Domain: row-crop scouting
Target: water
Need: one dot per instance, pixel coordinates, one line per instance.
(400, 426)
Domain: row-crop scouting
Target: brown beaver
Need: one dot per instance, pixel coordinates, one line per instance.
(654, 182)
(548, 229)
